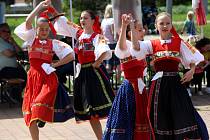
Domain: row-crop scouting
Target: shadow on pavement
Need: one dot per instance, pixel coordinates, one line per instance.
(10, 112)
(201, 102)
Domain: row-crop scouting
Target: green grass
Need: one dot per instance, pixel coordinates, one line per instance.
(182, 17)
(179, 17)
(13, 23)
(206, 29)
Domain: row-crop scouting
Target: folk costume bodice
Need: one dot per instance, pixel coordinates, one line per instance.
(41, 49)
(166, 56)
(85, 50)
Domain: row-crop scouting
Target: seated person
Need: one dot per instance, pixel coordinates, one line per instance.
(9, 67)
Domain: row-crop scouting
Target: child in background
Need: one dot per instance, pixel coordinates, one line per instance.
(107, 26)
(189, 24)
(42, 83)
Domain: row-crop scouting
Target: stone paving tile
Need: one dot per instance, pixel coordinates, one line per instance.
(12, 126)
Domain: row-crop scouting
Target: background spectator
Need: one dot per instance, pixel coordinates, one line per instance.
(189, 25)
(204, 46)
(107, 26)
(9, 67)
(149, 16)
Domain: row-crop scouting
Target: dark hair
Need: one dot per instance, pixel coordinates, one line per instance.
(202, 42)
(96, 25)
(92, 14)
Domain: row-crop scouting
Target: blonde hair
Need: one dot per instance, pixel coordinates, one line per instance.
(108, 11)
(190, 13)
(162, 14)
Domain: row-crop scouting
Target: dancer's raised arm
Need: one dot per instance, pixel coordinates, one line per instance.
(31, 16)
(122, 36)
(134, 39)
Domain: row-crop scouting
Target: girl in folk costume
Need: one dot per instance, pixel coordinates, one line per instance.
(171, 112)
(42, 83)
(127, 119)
(93, 95)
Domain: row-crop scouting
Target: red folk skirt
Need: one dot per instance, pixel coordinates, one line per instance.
(40, 94)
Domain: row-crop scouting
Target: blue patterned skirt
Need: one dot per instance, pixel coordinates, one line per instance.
(121, 120)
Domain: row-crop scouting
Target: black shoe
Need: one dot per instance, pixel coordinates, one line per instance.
(40, 124)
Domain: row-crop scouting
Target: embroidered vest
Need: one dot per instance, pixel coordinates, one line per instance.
(85, 50)
(166, 57)
(41, 50)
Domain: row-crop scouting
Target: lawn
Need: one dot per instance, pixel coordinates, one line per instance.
(14, 22)
(182, 17)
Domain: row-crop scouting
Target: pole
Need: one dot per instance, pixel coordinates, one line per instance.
(2, 11)
(72, 40)
(169, 4)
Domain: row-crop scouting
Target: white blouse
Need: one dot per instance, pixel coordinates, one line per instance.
(126, 53)
(60, 48)
(64, 28)
(187, 56)
(121, 54)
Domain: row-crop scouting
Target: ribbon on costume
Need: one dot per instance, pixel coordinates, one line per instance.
(174, 33)
(96, 25)
(44, 14)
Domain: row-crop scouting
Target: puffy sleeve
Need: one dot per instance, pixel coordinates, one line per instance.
(65, 27)
(145, 48)
(26, 35)
(190, 54)
(61, 49)
(123, 53)
(101, 46)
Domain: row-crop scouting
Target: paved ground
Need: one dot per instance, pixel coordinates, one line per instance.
(12, 126)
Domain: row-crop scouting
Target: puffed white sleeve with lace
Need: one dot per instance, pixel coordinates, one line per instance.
(65, 27)
(101, 46)
(145, 48)
(61, 49)
(121, 54)
(189, 54)
(26, 35)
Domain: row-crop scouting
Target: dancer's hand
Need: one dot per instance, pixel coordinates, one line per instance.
(96, 64)
(125, 19)
(188, 76)
(130, 17)
(46, 3)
